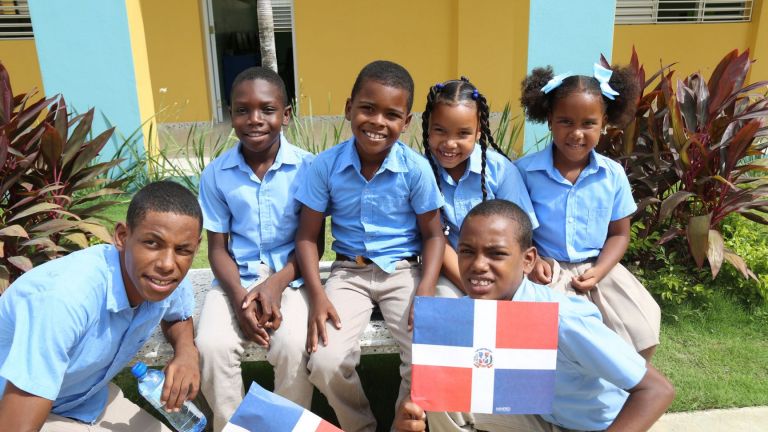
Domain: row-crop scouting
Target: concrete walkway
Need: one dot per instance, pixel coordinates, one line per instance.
(751, 419)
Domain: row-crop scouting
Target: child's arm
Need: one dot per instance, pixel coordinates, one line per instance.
(451, 266)
(433, 249)
(225, 270)
(182, 375)
(612, 252)
(647, 401)
(34, 409)
(320, 308)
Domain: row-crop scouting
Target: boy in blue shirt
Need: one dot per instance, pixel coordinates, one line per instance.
(70, 325)
(251, 217)
(383, 201)
(601, 383)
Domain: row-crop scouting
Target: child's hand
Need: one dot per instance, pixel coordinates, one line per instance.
(248, 320)
(269, 295)
(320, 310)
(542, 272)
(420, 291)
(587, 280)
(410, 417)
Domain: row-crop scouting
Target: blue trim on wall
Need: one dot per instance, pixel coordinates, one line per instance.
(84, 50)
(570, 36)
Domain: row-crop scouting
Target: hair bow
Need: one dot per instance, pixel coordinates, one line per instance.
(555, 82)
(602, 75)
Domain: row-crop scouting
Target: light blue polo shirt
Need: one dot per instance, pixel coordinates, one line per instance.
(502, 180)
(376, 218)
(594, 365)
(260, 216)
(574, 218)
(68, 329)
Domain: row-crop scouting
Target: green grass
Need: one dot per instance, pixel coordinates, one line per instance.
(717, 357)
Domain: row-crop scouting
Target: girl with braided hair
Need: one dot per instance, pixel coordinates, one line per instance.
(456, 139)
(583, 199)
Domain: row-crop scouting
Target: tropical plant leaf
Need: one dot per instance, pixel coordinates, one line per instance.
(715, 251)
(96, 229)
(5, 276)
(37, 208)
(697, 233)
(21, 262)
(739, 263)
(13, 231)
(671, 202)
(78, 238)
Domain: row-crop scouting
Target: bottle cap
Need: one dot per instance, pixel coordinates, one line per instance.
(139, 369)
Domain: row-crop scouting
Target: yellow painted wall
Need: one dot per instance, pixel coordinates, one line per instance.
(20, 58)
(177, 62)
(759, 42)
(435, 40)
(695, 47)
(141, 73)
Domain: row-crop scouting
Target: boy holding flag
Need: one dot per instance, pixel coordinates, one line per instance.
(601, 382)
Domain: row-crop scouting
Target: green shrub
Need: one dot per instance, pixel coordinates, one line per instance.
(51, 191)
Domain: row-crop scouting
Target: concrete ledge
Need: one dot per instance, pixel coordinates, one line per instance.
(157, 351)
(735, 419)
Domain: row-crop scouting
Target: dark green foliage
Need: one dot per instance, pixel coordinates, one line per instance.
(51, 192)
(694, 155)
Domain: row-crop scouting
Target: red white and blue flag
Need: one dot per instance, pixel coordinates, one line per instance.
(262, 410)
(484, 356)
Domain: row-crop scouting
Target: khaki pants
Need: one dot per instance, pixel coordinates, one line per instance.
(221, 345)
(627, 307)
(446, 288)
(353, 290)
(462, 422)
(120, 415)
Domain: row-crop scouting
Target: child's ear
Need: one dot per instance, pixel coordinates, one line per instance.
(287, 115)
(348, 109)
(530, 256)
(408, 120)
(121, 234)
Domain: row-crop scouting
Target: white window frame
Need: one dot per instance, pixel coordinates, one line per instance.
(14, 20)
(697, 11)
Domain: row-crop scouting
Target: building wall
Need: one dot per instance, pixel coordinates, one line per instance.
(177, 60)
(20, 58)
(435, 40)
(695, 47)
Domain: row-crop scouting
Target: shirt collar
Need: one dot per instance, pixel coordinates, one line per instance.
(544, 161)
(284, 155)
(475, 159)
(117, 298)
(522, 290)
(393, 162)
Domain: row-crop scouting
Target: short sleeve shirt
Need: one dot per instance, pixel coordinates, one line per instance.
(68, 329)
(595, 366)
(502, 181)
(574, 218)
(376, 218)
(261, 216)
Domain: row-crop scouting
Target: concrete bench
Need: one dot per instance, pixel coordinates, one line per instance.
(157, 351)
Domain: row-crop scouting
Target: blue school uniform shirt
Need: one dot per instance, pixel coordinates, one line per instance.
(574, 218)
(68, 329)
(595, 366)
(376, 218)
(260, 216)
(502, 180)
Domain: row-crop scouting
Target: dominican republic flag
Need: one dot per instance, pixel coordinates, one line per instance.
(265, 411)
(484, 356)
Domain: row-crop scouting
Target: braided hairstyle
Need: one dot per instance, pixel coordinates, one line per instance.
(455, 92)
(537, 104)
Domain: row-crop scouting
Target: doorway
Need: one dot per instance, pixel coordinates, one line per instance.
(233, 46)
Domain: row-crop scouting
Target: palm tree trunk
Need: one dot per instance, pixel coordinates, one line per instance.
(266, 34)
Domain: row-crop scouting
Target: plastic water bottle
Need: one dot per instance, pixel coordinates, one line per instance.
(188, 419)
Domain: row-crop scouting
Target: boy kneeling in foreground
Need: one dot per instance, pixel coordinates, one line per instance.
(594, 365)
(70, 325)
